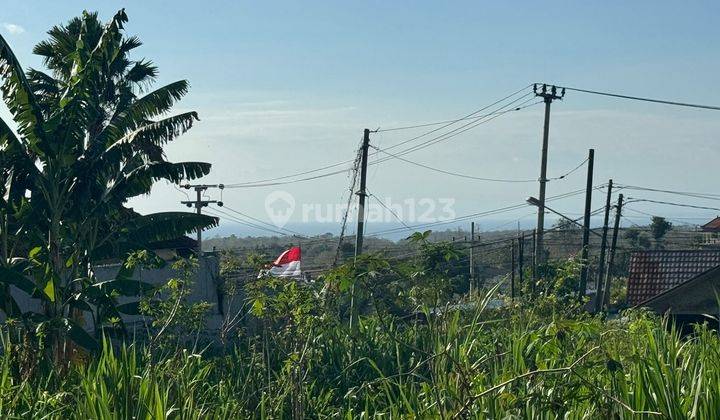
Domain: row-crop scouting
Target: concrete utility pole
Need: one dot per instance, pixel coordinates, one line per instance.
(586, 225)
(472, 256)
(603, 244)
(611, 261)
(512, 270)
(521, 258)
(533, 272)
(548, 96)
(199, 203)
(362, 193)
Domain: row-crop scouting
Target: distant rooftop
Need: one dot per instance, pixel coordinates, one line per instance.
(712, 226)
(654, 272)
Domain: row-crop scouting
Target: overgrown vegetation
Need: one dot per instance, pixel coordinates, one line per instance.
(536, 361)
(88, 136)
(375, 337)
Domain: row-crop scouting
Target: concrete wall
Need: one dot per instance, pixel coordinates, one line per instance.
(203, 289)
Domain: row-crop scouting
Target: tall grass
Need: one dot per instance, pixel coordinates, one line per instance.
(511, 363)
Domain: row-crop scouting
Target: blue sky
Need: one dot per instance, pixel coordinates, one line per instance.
(282, 87)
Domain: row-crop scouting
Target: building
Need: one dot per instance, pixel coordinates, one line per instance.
(206, 286)
(676, 282)
(711, 233)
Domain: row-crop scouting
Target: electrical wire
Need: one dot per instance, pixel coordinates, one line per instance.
(654, 215)
(351, 193)
(638, 200)
(707, 196)
(270, 181)
(450, 172)
(570, 171)
(451, 122)
(215, 210)
(443, 137)
(477, 215)
(264, 222)
(459, 130)
(638, 98)
(390, 210)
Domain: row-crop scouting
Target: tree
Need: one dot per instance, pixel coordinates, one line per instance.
(637, 238)
(659, 227)
(567, 230)
(86, 140)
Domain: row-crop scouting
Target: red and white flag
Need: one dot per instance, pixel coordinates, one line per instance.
(287, 264)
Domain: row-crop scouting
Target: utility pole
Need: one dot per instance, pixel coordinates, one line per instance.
(512, 269)
(548, 96)
(603, 244)
(586, 225)
(613, 247)
(533, 272)
(362, 193)
(199, 203)
(472, 255)
(521, 258)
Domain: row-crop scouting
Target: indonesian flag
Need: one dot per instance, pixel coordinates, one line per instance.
(287, 264)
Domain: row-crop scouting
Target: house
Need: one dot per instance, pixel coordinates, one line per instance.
(711, 233)
(205, 288)
(676, 282)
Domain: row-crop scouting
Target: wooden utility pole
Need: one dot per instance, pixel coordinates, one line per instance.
(603, 244)
(199, 203)
(472, 255)
(548, 96)
(512, 270)
(613, 247)
(586, 225)
(362, 193)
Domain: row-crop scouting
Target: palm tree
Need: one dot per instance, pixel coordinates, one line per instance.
(88, 138)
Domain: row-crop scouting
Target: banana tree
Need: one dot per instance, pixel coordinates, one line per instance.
(88, 136)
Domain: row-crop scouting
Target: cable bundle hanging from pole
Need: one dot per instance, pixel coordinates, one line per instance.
(351, 194)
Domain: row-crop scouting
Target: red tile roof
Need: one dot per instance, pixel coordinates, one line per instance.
(712, 226)
(653, 272)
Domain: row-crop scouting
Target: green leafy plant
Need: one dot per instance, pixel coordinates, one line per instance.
(88, 136)
(176, 321)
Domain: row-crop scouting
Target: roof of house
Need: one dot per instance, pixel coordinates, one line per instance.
(696, 296)
(181, 242)
(712, 226)
(654, 272)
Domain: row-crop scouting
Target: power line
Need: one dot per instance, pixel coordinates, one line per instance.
(463, 128)
(351, 191)
(451, 122)
(244, 222)
(638, 98)
(707, 196)
(450, 172)
(434, 140)
(569, 172)
(390, 210)
(476, 215)
(269, 181)
(268, 184)
(264, 222)
(472, 176)
(443, 137)
(654, 215)
(634, 200)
